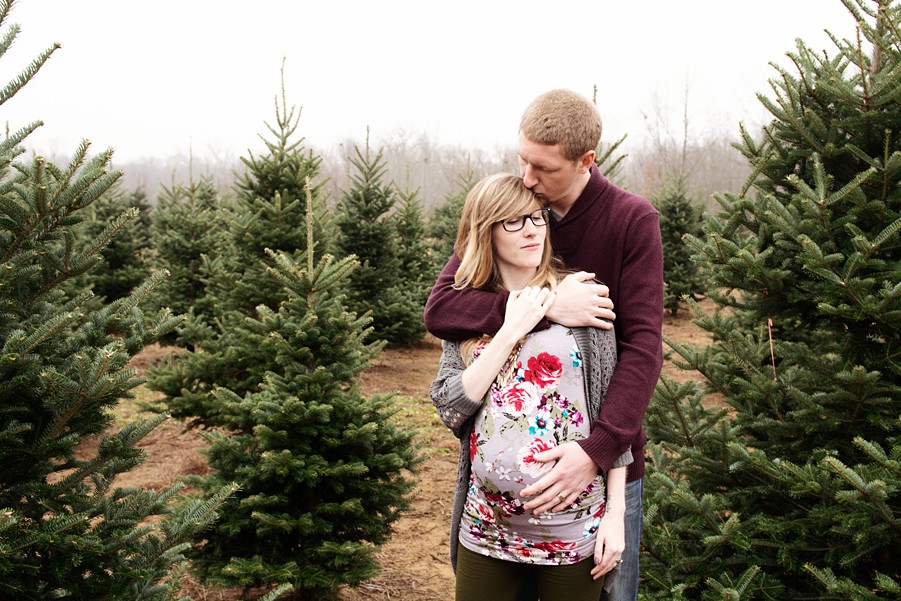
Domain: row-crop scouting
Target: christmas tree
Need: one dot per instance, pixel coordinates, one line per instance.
(415, 252)
(124, 264)
(679, 216)
(369, 229)
(790, 488)
(186, 229)
(445, 219)
(65, 530)
(323, 469)
(268, 213)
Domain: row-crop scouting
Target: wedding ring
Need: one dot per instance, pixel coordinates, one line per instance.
(618, 561)
(561, 497)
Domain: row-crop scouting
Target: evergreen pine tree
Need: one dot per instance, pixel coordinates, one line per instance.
(368, 230)
(415, 253)
(65, 531)
(792, 490)
(322, 468)
(268, 212)
(606, 158)
(186, 229)
(679, 216)
(124, 264)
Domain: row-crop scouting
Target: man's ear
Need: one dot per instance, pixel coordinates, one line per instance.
(586, 161)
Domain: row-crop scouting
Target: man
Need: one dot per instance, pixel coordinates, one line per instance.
(614, 236)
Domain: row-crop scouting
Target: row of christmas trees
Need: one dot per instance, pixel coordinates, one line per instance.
(308, 475)
(788, 487)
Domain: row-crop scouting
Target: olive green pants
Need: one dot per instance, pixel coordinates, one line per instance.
(481, 578)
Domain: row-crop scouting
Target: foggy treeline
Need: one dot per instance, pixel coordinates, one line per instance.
(415, 161)
(670, 150)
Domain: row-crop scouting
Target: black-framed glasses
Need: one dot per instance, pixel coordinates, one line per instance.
(538, 219)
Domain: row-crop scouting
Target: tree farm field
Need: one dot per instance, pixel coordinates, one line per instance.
(414, 564)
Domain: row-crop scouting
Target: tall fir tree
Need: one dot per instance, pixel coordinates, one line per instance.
(679, 216)
(791, 489)
(65, 530)
(415, 253)
(324, 471)
(186, 229)
(268, 212)
(368, 229)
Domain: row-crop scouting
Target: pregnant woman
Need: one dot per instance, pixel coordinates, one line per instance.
(513, 395)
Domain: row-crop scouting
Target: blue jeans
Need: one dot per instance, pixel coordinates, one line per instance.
(623, 585)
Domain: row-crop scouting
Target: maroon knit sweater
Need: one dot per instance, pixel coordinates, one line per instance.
(615, 235)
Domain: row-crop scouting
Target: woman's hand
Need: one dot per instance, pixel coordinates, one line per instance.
(610, 542)
(525, 308)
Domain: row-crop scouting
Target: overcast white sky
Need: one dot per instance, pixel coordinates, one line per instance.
(153, 79)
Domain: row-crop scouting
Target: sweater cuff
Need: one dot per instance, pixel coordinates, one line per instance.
(623, 460)
(601, 449)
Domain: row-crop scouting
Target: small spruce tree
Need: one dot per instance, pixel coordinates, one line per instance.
(445, 219)
(792, 489)
(415, 254)
(186, 229)
(323, 469)
(268, 212)
(679, 216)
(124, 264)
(368, 229)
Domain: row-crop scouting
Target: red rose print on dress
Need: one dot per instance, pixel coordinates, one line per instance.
(526, 458)
(519, 398)
(544, 370)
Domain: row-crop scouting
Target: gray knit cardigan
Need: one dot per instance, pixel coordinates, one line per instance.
(457, 411)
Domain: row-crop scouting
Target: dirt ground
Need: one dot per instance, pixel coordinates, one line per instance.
(415, 565)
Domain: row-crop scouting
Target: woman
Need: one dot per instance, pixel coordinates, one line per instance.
(515, 394)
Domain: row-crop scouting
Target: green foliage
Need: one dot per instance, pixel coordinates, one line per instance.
(321, 467)
(415, 253)
(799, 475)
(679, 216)
(269, 212)
(186, 229)
(124, 264)
(65, 531)
(370, 229)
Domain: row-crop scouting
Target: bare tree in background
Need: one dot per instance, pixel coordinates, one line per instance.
(705, 162)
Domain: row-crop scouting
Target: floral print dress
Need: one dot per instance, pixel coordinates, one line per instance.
(536, 403)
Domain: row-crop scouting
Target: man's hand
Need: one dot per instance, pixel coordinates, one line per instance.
(561, 486)
(582, 304)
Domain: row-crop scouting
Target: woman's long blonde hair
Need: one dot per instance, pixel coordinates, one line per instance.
(491, 200)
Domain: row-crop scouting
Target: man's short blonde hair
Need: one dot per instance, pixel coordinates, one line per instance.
(563, 117)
